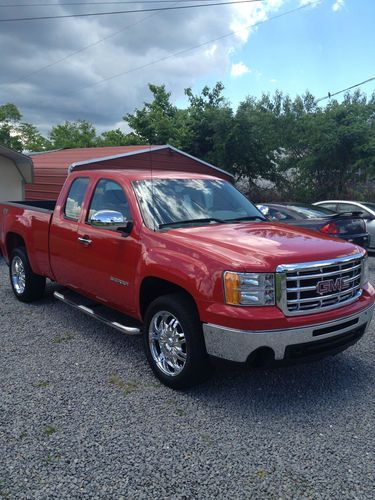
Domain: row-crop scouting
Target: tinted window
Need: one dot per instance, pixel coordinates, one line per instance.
(330, 206)
(165, 201)
(280, 215)
(348, 207)
(311, 212)
(109, 195)
(77, 191)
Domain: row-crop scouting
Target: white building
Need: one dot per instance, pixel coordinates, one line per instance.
(16, 169)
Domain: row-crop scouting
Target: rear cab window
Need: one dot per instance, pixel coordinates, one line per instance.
(74, 200)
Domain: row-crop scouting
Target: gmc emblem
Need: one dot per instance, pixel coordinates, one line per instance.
(328, 286)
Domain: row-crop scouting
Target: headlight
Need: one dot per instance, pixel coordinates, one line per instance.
(249, 289)
(365, 270)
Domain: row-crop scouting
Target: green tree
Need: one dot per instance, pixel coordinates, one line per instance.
(9, 119)
(118, 138)
(19, 135)
(156, 122)
(208, 123)
(73, 134)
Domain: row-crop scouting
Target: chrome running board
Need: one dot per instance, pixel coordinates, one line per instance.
(108, 316)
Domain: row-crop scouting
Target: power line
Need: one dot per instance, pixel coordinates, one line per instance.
(82, 49)
(155, 9)
(175, 54)
(82, 4)
(345, 90)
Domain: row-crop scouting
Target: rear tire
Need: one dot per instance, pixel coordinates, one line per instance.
(26, 285)
(173, 341)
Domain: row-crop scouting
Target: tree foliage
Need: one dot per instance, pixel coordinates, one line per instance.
(279, 147)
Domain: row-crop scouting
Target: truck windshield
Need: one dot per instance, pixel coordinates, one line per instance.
(184, 202)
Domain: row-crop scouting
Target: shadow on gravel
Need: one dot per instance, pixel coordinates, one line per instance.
(321, 389)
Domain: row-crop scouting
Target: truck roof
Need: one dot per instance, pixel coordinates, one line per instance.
(136, 174)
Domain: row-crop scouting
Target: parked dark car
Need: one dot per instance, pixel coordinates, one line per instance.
(367, 210)
(349, 226)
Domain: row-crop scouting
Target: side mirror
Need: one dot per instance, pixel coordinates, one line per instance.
(110, 219)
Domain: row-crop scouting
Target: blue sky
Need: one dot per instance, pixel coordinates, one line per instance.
(317, 48)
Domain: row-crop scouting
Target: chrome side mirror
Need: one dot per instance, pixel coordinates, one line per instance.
(112, 220)
(109, 219)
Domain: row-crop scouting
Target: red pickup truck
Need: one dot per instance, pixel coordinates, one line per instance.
(193, 265)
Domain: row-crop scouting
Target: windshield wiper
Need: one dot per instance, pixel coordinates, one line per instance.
(191, 221)
(247, 218)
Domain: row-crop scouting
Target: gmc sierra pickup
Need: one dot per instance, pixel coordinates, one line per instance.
(193, 265)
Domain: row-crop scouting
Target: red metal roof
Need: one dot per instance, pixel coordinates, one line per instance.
(51, 167)
(65, 157)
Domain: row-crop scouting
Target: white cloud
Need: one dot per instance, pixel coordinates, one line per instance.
(339, 4)
(239, 69)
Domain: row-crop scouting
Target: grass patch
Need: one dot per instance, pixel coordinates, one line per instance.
(49, 430)
(125, 387)
(62, 339)
(42, 384)
(262, 474)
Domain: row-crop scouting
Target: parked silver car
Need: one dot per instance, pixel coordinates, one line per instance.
(366, 209)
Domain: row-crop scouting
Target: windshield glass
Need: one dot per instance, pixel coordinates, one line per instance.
(170, 201)
(311, 212)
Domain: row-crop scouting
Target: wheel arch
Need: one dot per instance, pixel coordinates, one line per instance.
(13, 241)
(153, 287)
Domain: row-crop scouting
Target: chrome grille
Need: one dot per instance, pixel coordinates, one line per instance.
(313, 287)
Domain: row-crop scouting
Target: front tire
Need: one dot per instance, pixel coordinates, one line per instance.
(173, 341)
(26, 285)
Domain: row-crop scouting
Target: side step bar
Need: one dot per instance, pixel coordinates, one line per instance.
(110, 317)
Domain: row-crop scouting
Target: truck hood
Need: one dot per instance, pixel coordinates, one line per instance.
(262, 245)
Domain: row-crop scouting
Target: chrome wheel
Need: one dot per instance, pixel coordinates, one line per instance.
(18, 275)
(167, 343)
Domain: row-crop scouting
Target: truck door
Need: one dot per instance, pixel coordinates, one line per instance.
(107, 258)
(64, 233)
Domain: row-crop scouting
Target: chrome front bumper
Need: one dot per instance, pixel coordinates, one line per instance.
(237, 345)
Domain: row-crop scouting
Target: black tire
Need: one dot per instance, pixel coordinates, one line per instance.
(196, 367)
(34, 285)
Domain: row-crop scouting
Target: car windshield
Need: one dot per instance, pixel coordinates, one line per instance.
(178, 202)
(311, 212)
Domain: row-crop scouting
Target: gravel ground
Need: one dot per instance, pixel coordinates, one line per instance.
(81, 416)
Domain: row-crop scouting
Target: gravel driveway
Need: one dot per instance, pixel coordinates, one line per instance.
(81, 416)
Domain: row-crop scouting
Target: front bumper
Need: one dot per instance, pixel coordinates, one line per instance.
(237, 345)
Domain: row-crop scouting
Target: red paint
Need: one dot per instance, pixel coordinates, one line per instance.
(193, 258)
(51, 167)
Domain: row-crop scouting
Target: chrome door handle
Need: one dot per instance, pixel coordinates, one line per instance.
(85, 241)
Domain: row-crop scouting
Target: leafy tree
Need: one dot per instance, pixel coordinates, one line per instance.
(31, 138)
(208, 122)
(118, 138)
(73, 134)
(9, 118)
(156, 122)
(19, 135)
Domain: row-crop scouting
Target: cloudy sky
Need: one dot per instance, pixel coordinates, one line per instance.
(97, 68)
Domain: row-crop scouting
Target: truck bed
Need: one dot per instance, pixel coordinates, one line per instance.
(27, 223)
(38, 204)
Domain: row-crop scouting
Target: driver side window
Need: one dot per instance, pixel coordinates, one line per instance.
(109, 195)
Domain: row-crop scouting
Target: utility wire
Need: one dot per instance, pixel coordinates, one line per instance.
(184, 51)
(82, 4)
(345, 90)
(82, 49)
(155, 9)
